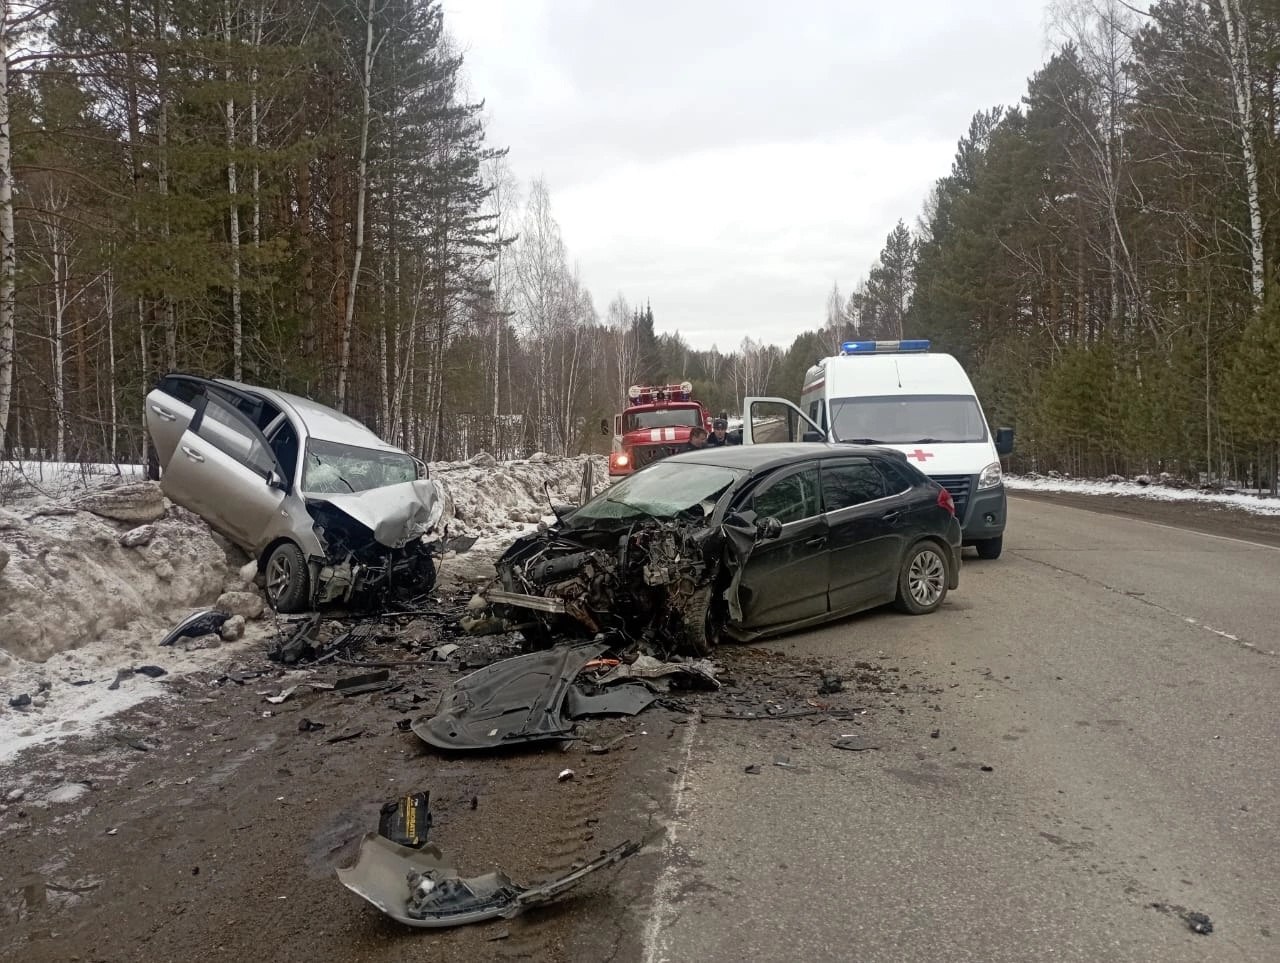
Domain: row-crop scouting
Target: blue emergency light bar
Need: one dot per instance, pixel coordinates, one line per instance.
(883, 347)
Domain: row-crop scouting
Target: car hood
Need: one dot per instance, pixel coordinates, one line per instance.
(396, 514)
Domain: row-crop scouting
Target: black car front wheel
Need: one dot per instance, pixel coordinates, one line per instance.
(922, 580)
(287, 578)
(699, 629)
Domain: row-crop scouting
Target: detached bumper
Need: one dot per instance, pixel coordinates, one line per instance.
(987, 512)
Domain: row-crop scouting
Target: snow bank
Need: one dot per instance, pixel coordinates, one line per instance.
(1154, 491)
(83, 597)
(485, 497)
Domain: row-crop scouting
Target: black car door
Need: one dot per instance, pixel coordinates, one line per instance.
(866, 524)
(785, 579)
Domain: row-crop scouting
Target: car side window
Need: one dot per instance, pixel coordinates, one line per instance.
(790, 499)
(899, 477)
(183, 389)
(227, 429)
(852, 482)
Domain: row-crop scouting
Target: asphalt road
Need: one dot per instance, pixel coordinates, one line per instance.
(1120, 680)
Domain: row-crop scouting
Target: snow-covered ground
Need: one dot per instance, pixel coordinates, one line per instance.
(77, 605)
(1154, 490)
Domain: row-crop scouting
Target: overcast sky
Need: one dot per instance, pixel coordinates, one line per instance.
(728, 160)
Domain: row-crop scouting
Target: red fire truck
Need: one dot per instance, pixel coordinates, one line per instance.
(655, 423)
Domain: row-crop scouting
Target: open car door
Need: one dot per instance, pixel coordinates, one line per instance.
(776, 420)
(225, 472)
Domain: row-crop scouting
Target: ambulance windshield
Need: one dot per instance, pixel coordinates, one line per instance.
(908, 419)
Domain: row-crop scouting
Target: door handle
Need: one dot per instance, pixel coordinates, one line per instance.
(192, 453)
(816, 542)
(892, 517)
(164, 414)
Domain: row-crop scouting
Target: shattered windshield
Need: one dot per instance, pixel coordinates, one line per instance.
(663, 418)
(333, 468)
(662, 491)
(908, 419)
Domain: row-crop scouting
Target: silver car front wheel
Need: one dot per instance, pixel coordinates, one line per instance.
(286, 578)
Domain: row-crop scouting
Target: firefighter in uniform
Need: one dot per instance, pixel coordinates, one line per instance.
(718, 438)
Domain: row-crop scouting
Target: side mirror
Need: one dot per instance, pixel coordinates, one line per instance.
(275, 481)
(604, 426)
(768, 529)
(1004, 441)
(814, 436)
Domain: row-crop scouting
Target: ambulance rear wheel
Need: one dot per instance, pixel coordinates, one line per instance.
(990, 548)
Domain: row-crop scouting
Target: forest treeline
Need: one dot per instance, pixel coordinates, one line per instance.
(303, 195)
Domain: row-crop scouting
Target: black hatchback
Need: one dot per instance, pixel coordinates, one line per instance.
(742, 541)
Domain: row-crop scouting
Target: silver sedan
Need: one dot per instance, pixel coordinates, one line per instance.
(329, 511)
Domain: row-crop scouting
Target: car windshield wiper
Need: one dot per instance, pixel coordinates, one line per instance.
(862, 441)
(927, 441)
(337, 475)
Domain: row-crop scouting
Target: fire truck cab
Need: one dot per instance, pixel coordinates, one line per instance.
(655, 423)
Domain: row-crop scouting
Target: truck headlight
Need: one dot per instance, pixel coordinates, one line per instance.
(990, 477)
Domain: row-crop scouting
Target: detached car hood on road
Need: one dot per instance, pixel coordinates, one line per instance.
(396, 514)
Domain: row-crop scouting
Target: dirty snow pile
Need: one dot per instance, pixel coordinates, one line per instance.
(89, 585)
(497, 500)
(1157, 489)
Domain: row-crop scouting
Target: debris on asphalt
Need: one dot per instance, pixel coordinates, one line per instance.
(854, 743)
(618, 700)
(283, 696)
(195, 625)
(306, 725)
(15, 795)
(830, 684)
(517, 700)
(407, 820)
(20, 701)
(565, 775)
(752, 770)
(693, 674)
(121, 675)
(935, 734)
(1196, 922)
(151, 671)
(985, 768)
(419, 888)
(344, 736)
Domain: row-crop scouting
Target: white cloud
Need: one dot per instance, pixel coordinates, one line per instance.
(728, 159)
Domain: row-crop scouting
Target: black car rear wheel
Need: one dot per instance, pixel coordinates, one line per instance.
(922, 580)
(287, 578)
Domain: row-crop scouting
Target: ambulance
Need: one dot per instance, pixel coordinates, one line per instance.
(901, 395)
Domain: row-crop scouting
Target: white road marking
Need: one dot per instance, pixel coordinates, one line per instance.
(666, 890)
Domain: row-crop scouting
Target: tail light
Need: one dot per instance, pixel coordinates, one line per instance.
(946, 501)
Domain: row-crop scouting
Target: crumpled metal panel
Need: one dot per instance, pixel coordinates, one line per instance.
(395, 514)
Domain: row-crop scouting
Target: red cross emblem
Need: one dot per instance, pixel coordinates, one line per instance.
(920, 455)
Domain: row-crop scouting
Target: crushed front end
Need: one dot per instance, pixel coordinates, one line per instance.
(379, 546)
(648, 581)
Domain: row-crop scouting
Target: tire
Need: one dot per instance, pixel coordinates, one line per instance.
(990, 548)
(698, 632)
(287, 579)
(922, 580)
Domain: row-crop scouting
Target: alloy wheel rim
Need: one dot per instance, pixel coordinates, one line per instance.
(279, 575)
(926, 577)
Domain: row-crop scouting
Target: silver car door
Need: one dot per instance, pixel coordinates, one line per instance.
(169, 408)
(225, 472)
